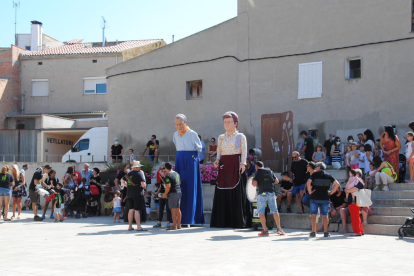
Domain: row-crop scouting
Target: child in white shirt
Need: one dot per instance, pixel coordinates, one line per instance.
(117, 206)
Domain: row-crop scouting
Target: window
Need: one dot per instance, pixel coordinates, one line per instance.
(94, 61)
(40, 63)
(94, 85)
(25, 124)
(40, 87)
(81, 145)
(353, 68)
(28, 48)
(310, 80)
(194, 89)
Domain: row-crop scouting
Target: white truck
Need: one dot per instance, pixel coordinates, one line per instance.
(91, 147)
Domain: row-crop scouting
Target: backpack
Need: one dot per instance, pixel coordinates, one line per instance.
(94, 189)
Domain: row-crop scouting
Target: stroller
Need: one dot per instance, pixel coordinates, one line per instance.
(408, 228)
(403, 168)
(76, 207)
(27, 204)
(93, 196)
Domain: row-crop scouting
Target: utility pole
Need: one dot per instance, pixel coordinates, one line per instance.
(103, 32)
(172, 38)
(15, 6)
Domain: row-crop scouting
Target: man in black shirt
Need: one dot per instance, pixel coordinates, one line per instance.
(136, 183)
(152, 145)
(300, 173)
(327, 146)
(33, 194)
(338, 201)
(318, 187)
(117, 150)
(173, 191)
(286, 186)
(308, 147)
(264, 180)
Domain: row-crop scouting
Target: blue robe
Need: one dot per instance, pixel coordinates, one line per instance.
(187, 166)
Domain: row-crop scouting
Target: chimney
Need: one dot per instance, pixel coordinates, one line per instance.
(36, 36)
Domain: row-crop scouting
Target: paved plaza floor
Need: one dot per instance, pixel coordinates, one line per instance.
(97, 246)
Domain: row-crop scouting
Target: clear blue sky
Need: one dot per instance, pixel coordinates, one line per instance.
(126, 19)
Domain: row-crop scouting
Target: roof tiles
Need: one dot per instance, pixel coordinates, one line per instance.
(86, 48)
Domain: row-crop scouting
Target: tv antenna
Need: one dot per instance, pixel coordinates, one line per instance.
(103, 31)
(15, 6)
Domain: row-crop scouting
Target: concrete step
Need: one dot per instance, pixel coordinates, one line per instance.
(393, 202)
(295, 221)
(393, 211)
(398, 194)
(390, 220)
(401, 186)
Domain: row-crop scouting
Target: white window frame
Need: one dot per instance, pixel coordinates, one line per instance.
(98, 80)
(38, 81)
(348, 68)
(310, 86)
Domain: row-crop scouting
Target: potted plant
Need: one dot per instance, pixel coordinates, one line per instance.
(208, 174)
(148, 169)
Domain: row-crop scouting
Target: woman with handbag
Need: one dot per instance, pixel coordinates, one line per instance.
(354, 209)
(384, 173)
(18, 191)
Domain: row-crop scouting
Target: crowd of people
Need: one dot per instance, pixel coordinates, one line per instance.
(370, 163)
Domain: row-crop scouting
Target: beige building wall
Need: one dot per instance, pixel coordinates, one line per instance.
(270, 85)
(65, 75)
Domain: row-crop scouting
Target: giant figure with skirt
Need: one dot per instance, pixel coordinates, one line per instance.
(187, 165)
(230, 206)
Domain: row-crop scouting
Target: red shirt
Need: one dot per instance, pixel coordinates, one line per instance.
(79, 177)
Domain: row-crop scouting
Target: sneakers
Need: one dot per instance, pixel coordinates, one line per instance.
(52, 216)
(385, 188)
(43, 217)
(64, 218)
(326, 235)
(60, 220)
(279, 208)
(289, 210)
(264, 233)
(280, 232)
(376, 188)
(37, 218)
(56, 220)
(157, 225)
(312, 235)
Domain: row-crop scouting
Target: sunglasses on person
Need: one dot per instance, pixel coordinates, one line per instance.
(295, 157)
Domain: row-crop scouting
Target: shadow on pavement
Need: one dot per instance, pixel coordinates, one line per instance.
(227, 238)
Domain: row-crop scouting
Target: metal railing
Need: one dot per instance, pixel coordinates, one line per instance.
(83, 158)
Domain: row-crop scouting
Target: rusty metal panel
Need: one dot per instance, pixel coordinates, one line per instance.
(277, 140)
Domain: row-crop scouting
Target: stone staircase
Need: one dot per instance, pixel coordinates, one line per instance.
(390, 211)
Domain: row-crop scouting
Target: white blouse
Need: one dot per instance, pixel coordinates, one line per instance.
(227, 146)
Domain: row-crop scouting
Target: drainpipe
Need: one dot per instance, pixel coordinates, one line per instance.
(23, 102)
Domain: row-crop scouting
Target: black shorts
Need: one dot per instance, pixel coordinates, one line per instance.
(136, 203)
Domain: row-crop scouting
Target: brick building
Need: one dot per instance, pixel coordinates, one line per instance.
(10, 100)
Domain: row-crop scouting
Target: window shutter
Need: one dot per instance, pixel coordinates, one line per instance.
(310, 80)
(40, 88)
